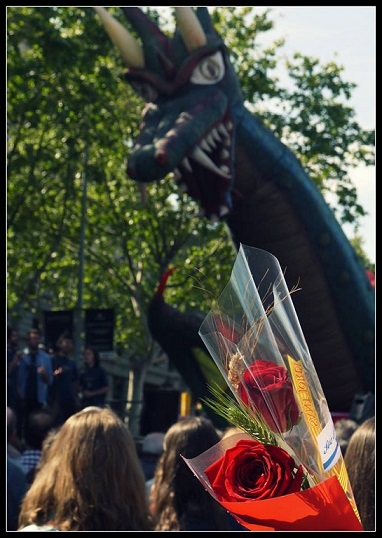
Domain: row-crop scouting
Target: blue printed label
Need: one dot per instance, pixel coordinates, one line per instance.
(329, 447)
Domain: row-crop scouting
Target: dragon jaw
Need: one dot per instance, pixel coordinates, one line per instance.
(187, 125)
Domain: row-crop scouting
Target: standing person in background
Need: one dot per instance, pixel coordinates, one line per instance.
(178, 500)
(90, 479)
(35, 376)
(48, 440)
(14, 449)
(13, 359)
(38, 425)
(16, 479)
(16, 489)
(14, 356)
(93, 383)
(360, 464)
(63, 399)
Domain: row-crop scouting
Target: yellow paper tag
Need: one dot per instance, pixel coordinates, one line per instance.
(305, 400)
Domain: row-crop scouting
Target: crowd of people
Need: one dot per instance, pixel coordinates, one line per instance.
(44, 388)
(40, 379)
(74, 465)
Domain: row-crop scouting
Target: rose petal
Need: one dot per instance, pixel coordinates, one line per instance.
(250, 470)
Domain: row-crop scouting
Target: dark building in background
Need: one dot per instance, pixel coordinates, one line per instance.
(99, 328)
(56, 323)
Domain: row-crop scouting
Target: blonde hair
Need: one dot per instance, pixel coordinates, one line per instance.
(90, 479)
(360, 464)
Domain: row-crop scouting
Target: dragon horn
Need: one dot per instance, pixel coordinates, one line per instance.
(128, 47)
(190, 28)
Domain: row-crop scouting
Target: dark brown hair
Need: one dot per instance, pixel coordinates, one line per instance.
(95, 354)
(176, 492)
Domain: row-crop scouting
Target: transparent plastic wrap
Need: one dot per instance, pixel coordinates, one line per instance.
(254, 336)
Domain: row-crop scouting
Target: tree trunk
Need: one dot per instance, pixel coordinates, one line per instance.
(135, 394)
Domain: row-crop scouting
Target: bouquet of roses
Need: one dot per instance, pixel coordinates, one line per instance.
(286, 471)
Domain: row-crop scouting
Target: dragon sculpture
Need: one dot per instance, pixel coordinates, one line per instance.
(195, 124)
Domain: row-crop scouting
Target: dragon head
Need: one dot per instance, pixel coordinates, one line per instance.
(190, 90)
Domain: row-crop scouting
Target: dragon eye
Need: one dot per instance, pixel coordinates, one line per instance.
(145, 90)
(209, 70)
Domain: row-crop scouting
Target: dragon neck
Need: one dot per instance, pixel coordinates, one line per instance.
(163, 281)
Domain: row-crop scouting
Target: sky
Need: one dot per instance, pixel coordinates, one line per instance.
(346, 35)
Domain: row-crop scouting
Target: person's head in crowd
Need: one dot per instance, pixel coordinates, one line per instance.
(360, 464)
(11, 425)
(91, 357)
(152, 444)
(90, 479)
(12, 338)
(39, 423)
(151, 449)
(14, 444)
(345, 427)
(46, 444)
(33, 340)
(178, 500)
(64, 344)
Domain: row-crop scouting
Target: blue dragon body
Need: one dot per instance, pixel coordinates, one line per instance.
(196, 125)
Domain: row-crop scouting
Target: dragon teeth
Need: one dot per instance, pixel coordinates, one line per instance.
(203, 159)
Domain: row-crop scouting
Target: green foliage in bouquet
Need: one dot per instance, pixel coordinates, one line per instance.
(240, 416)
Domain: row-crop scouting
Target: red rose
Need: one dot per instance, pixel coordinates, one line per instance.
(267, 387)
(252, 471)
